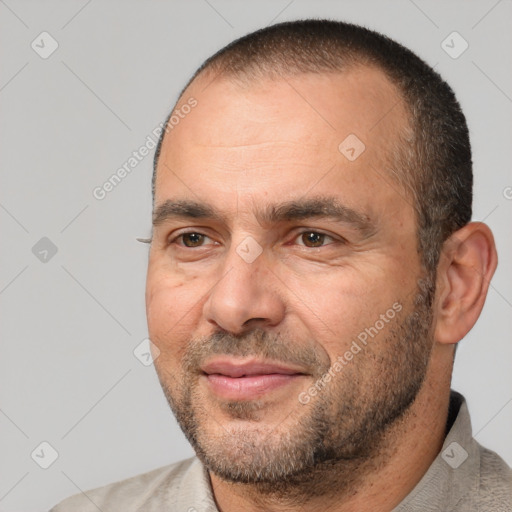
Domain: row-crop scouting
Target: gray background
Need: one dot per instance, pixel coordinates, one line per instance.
(70, 324)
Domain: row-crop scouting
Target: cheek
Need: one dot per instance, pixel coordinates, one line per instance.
(336, 308)
(168, 326)
(171, 308)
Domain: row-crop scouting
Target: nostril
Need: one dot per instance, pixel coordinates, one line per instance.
(254, 320)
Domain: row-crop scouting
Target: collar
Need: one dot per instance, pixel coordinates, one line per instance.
(455, 472)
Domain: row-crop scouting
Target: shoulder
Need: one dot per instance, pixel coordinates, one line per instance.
(495, 481)
(157, 487)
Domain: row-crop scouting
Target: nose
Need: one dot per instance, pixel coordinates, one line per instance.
(246, 296)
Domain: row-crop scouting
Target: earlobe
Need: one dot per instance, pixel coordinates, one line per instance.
(466, 267)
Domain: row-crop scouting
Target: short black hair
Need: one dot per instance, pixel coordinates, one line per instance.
(433, 161)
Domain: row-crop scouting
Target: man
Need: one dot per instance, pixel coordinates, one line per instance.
(312, 268)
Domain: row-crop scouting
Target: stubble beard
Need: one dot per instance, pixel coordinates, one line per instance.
(319, 448)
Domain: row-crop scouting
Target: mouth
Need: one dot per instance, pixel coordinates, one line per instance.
(238, 379)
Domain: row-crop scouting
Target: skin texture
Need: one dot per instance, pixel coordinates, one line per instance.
(365, 439)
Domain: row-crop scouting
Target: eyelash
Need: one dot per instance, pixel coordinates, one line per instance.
(181, 235)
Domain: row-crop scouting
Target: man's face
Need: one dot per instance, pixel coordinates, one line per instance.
(253, 306)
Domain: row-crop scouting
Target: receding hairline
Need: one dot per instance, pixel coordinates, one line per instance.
(206, 76)
(248, 78)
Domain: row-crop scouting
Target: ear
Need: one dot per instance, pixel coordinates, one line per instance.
(466, 266)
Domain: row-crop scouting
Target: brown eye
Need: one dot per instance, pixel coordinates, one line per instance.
(313, 239)
(192, 239)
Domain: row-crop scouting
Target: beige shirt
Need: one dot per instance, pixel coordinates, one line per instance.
(465, 477)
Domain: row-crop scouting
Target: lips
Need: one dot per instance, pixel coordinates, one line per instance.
(242, 380)
(232, 368)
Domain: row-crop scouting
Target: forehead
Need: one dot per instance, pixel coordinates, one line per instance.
(338, 97)
(288, 131)
(306, 108)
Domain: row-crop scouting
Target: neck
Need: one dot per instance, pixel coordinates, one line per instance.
(404, 454)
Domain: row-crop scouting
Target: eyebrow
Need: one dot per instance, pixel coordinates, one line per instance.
(318, 207)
